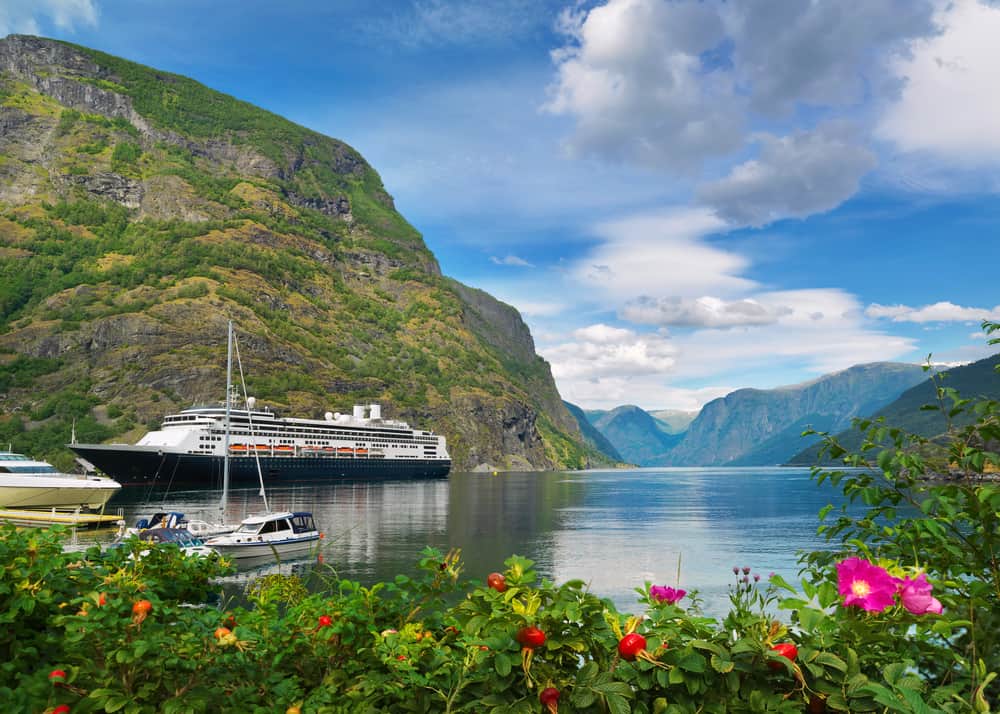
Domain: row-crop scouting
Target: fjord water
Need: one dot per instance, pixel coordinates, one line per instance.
(612, 529)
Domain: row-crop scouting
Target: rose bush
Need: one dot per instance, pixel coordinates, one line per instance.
(901, 614)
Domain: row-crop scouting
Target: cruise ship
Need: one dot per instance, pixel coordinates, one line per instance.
(189, 449)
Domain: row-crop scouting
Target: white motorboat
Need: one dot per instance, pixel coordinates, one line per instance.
(26, 483)
(267, 535)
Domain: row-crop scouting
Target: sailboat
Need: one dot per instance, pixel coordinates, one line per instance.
(283, 533)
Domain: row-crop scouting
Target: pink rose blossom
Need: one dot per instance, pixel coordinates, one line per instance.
(916, 596)
(662, 593)
(865, 585)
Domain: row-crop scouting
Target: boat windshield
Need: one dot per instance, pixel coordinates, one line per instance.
(249, 528)
(28, 469)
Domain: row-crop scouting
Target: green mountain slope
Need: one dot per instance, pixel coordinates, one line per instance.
(752, 427)
(592, 435)
(141, 210)
(978, 380)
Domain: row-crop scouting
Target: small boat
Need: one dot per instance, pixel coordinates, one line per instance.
(26, 483)
(174, 520)
(284, 533)
(189, 544)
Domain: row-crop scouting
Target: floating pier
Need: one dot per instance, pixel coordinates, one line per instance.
(53, 517)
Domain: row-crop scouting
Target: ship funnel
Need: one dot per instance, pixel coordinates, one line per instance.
(359, 411)
(376, 411)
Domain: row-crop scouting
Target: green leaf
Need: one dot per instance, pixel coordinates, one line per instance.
(502, 664)
(721, 665)
(618, 705)
(829, 659)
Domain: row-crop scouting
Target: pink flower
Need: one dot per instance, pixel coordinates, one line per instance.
(916, 596)
(662, 593)
(866, 585)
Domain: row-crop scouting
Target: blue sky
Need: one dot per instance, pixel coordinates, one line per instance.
(681, 197)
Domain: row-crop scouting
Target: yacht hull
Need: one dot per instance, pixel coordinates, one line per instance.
(139, 465)
(60, 494)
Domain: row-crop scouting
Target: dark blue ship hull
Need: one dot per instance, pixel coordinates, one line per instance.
(136, 465)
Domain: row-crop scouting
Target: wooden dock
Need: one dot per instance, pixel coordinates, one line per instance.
(53, 517)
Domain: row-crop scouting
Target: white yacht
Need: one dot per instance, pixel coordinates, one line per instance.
(283, 534)
(26, 483)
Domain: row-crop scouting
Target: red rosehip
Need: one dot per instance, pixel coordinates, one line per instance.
(61, 709)
(221, 632)
(142, 607)
(530, 637)
(325, 620)
(631, 645)
(57, 676)
(497, 582)
(101, 600)
(787, 650)
(549, 697)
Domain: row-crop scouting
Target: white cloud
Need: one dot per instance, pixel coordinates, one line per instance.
(661, 253)
(938, 312)
(673, 84)
(701, 312)
(793, 176)
(823, 332)
(512, 260)
(24, 16)
(632, 79)
(600, 351)
(949, 104)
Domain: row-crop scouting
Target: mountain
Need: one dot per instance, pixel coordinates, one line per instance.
(141, 210)
(674, 421)
(636, 435)
(752, 427)
(978, 380)
(592, 435)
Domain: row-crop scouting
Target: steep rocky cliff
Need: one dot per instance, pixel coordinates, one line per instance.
(140, 210)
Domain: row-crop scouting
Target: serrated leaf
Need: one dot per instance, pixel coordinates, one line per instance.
(618, 705)
(501, 663)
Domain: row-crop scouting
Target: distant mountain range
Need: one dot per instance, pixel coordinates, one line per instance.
(753, 427)
(972, 381)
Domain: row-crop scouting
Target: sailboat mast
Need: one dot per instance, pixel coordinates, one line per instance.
(229, 393)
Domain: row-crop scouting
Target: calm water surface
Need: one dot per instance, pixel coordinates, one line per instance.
(612, 529)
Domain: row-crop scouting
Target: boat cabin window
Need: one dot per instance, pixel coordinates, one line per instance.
(249, 528)
(276, 526)
(302, 522)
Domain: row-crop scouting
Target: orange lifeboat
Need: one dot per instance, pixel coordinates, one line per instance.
(345, 451)
(361, 451)
(284, 448)
(238, 448)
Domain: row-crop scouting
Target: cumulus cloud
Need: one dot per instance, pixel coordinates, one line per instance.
(512, 260)
(824, 53)
(24, 16)
(701, 312)
(632, 77)
(793, 176)
(949, 105)
(673, 84)
(938, 312)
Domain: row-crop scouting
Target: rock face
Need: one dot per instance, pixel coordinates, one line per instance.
(751, 427)
(140, 210)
